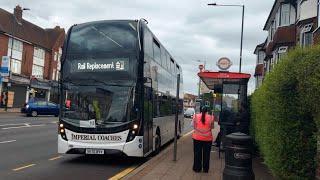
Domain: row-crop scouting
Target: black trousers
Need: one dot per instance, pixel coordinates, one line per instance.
(201, 151)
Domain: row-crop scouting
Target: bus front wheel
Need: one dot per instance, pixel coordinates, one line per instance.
(157, 144)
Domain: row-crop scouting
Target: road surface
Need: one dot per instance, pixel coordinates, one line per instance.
(28, 150)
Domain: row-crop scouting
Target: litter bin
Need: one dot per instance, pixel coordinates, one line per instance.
(238, 157)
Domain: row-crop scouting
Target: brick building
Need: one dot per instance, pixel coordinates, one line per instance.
(189, 101)
(290, 23)
(35, 58)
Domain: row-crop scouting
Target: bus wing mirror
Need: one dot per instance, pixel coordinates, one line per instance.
(145, 80)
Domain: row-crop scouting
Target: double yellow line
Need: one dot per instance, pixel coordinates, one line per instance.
(130, 169)
(123, 173)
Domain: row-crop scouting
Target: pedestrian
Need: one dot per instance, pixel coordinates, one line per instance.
(203, 123)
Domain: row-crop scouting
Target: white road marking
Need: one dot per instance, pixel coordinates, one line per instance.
(1, 125)
(3, 142)
(25, 126)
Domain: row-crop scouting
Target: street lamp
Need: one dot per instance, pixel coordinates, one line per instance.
(233, 5)
(12, 39)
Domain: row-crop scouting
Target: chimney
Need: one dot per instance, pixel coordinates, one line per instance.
(18, 13)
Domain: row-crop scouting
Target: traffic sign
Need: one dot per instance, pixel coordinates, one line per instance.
(5, 66)
(224, 63)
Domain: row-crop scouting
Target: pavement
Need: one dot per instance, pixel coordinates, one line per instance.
(28, 150)
(163, 167)
(14, 110)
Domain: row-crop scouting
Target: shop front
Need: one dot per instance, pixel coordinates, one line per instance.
(14, 91)
(39, 90)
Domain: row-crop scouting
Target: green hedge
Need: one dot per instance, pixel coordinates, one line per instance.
(285, 111)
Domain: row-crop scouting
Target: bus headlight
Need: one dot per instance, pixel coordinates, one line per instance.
(62, 131)
(133, 131)
(131, 135)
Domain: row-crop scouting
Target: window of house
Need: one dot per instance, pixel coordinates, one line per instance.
(277, 19)
(273, 29)
(282, 51)
(15, 49)
(285, 14)
(38, 62)
(275, 58)
(271, 64)
(306, 35)
(261, 56)
(269, 35)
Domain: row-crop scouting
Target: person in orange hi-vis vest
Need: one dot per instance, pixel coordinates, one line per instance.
(203, 123)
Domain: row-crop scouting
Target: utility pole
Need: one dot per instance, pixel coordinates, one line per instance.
(241, 41)
(176, 120)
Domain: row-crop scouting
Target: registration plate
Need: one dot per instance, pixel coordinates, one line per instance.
(94, 151)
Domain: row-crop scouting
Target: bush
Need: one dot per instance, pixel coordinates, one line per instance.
(285, 111)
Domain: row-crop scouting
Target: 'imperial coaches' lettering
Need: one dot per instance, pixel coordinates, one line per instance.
(118, 90)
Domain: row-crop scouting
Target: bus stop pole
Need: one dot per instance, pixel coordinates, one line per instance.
(176, 120)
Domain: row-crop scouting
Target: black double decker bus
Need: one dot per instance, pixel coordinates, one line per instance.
(117, 90)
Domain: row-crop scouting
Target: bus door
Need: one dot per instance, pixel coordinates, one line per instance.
(147, 120)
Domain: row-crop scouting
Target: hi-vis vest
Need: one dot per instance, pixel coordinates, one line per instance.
(202, 132)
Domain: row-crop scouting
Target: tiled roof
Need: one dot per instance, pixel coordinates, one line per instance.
(259, 70)
(27, 31)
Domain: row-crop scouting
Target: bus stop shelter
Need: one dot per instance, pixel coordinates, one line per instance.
(230, 100)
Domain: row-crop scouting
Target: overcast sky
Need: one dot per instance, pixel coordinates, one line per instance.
(189, 29)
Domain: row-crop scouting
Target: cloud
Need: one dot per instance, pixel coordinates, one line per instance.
(190, 30)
